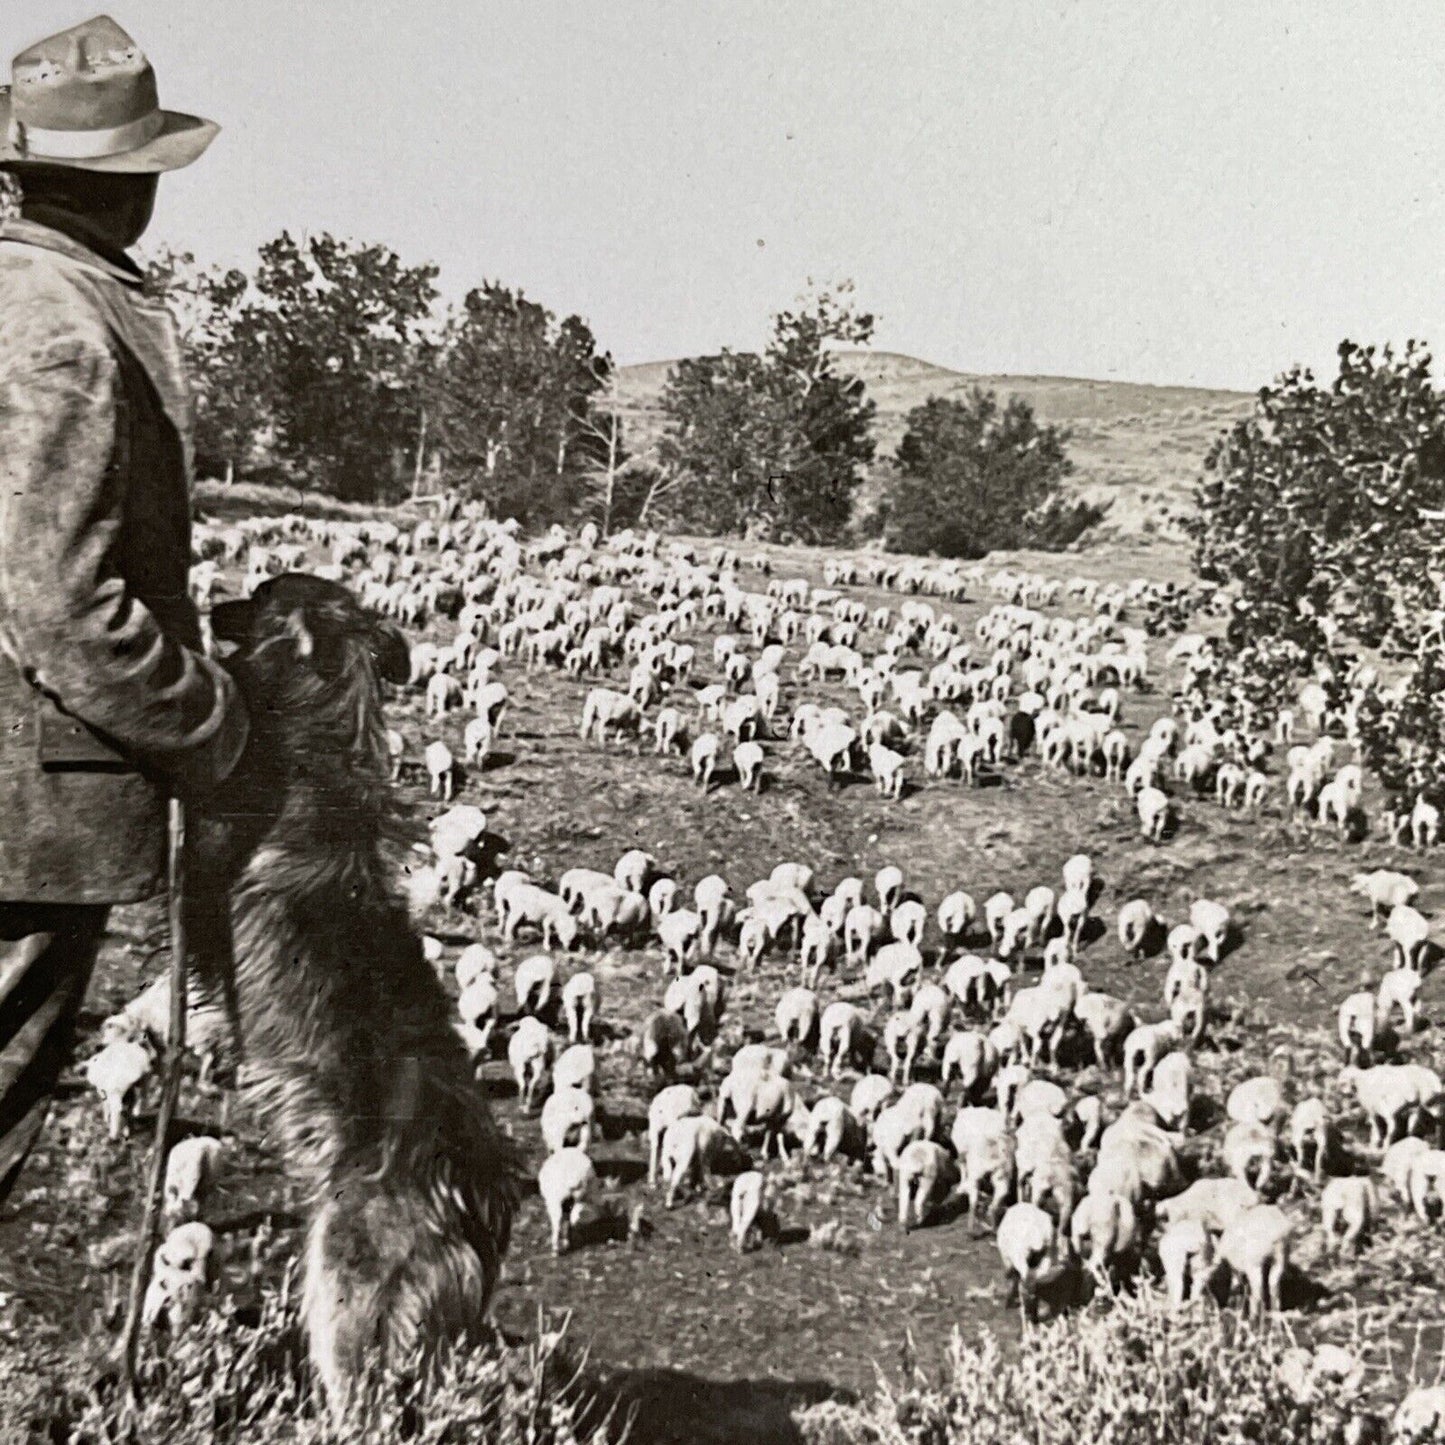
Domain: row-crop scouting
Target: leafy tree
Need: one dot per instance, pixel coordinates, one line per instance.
(221, 335)
(971, 477)
(769, 445)
(343, 330)
(513, 400)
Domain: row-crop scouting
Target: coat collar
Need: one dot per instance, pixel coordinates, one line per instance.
(32, 233)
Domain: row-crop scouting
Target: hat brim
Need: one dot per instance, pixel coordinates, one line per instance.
(181, 140)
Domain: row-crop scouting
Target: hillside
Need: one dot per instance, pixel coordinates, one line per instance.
(1138, 447)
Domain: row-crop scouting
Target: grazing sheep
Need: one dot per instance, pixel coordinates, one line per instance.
(833, 1129)
(603, 709)
(1256, 1247)
(116, 1073)
(748, 758)
(670, 1104)
(664, 1042)
(1136, 923)
(576, 1068)
(692, 1147)
(863, 927)
(680, 933)
(1211, 921)
(903, 1038)
(1399, 991)
(1426, 1184)
(839, 1032)
(1358, 1023)
(1396, 1098)
(544, 911)
(441, 769)
(565, 1181)
(908, 921)
(567, 1118)
(191, 1169)
(703, 758)
(634, 869)
(925, 1170)
(180, 1275)
(528, 1052)
(1384, 890)
(1102, 1231)
(1156, 813)
(1421, 1415)
(888, 884)
(988, 1161)
(870, 1096)
(475, 961)
(1212, 1202)
(1143, 1049)
(579, 1006)
(969, 1055)
(1248, 1152)
(1032, 1251)
(745, 1207)
(1107, 1021)
(996, 909)
(797, 1017)
(1310, 1135)
(1186, 1254)
(1348, 1209)
(1079, 874)
(955, 914)
(1398, 1161)
(1409, 931)
(535, 979)
(886, 766)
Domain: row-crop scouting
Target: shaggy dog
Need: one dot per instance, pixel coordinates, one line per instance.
(296, 914)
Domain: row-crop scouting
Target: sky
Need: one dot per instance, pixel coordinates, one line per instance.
(1190, 193)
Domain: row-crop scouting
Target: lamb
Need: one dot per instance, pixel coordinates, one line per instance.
(1032, 1252)
(191, 1169)
(458, 831)
(475, 961)
(567, 1119)
(908, 921)
(1349, 1206)
(1248, 1152)
(441, 770)
(1399, 991)
(528, 1052)
(746, 1206)
(1183, 943)
(680, 933)
(996, 909)
(1310, 1135)
(116, 1073)
(1041, 1014)
(815, 949)
(969, 1055)
(1073, 913)
(535, 979)
(1169, 1091)
(888, 883)
(833, 1128)
(748, 759)
(634, 869)
(180, 1274)
(1136, 924)
(1143, 1049)
(565, 1181)
(1078, 874)
(863, 927)
(1395, 1097)
(529, 904)
(1102, 1231)
(925, 1169)
(1186, 1254)
(1384, 890)
(988, 1161)
(903, 1037)
(667, 731)
(670, 1104)
(579, 1006)
(1256, 1247)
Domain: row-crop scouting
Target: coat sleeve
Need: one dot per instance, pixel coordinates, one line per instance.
(76, 631)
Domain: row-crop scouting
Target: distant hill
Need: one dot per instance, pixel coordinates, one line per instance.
(1136, 446)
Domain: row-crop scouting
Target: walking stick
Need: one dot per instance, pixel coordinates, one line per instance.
(170, 1091)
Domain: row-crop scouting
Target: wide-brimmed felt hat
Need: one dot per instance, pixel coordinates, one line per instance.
(86, 98)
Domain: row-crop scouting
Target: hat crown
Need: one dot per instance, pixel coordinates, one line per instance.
(91, 77)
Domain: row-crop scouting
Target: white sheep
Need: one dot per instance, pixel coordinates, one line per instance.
(1256, 1247)
(579, 1006)
(1136, 923)
(680, 933)
(1421, 1415)
(1358, 1023)
(955, 914)
(674, 1102)
(870, 1095)
(1398, 1161)
(745, 1207)
(475, 961)
(1384, 889)
(1143, 1049)
(544, 911)
(1426, 1184)
(1186, 1254)
(1156, 813)
(535, 979)
(180, 1274)
(748, 758)
(633, 869)
(441, 769)
(565, 1181)
(1311, 1135)
(1348, 1209)
(1032, 1251)
(969, 1055)
(925, 1170)
(702, 758)
(886, 766)
(1102, 1231)
(116, 1073)
(567, 1119)
(1211, 921)
(888, 883)
(833, 1128)
(1213, 1202)
(528, 1052)
(191, 1169)
(1399, 992)
(1409, 931)
(1108, 1022)
(797, 1016)
(576, 1068)
(691, 1147)
(996, 909)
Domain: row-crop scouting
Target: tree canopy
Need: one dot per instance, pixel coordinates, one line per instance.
(972, 476)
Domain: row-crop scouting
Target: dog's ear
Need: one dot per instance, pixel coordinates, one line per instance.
(234, 621)
(391, 652)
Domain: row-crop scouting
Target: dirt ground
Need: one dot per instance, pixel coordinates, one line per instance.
(725, 1344)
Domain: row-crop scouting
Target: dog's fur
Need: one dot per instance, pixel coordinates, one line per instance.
(343, 1024)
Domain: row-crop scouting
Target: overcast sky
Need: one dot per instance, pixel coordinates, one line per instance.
(1192, 192)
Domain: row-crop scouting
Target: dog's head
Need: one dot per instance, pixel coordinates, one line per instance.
(308, 657)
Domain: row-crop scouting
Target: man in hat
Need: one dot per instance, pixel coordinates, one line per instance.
(107, 704)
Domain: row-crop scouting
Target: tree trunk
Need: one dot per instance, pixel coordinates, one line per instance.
(420, 465)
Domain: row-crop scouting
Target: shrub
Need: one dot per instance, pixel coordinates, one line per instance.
(1138, 1374)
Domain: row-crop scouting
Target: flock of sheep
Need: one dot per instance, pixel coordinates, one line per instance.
(956, 1050)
